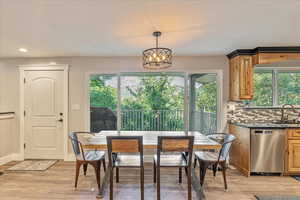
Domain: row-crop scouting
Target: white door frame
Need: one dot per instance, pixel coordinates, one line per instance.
(45, 67)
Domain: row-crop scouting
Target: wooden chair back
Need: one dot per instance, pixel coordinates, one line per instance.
(182, 144)
(124, 144)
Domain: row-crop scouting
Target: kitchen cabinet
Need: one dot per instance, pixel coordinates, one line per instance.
(293, 152)
(240, 152)
(267, 58)
(241, 67)
(240, 149)
(241, 78)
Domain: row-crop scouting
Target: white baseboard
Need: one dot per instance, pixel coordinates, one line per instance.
(5, 159)
(17, 157)
(10, 157)
(70, 157)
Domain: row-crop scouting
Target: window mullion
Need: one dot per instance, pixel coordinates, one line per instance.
(186, 103)
(275, 88)
(119, 104)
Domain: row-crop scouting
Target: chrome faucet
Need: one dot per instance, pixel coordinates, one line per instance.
(283, 118)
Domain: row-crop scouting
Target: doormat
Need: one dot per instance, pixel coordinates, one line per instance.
(33, 165)
(296, 177)
(277, 198)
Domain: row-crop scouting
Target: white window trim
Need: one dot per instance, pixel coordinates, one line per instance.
(221, 118)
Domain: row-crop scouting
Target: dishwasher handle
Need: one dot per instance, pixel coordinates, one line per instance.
(263, 132)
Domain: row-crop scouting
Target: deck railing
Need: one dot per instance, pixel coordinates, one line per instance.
(152, 120)
(158, 120)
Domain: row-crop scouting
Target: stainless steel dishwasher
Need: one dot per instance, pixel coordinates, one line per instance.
(267, 150)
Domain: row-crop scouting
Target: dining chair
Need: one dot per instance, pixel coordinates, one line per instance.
(125, 152)
(174, 151)
(214, 159)
(85, 157)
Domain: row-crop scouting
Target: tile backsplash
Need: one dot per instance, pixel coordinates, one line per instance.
(238, 112)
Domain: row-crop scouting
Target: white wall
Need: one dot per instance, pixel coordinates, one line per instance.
(79, 66)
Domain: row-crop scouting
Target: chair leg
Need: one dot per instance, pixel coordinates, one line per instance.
(215, 166)
(154, 172)
(186, 171)
(78, 165)
(180, 174)
(117, 174)
(223, 165)
(195, 162)
(158, 182)
(203, 169)
(142, 183)
(97, 166)
(85, 165)
(111, 183)
(104, 165)
(189, 179)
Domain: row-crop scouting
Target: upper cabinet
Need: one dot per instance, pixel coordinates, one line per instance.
(241, 72)
(241, 64)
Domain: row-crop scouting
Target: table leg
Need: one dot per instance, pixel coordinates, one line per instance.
(104, 183)
(196, 186)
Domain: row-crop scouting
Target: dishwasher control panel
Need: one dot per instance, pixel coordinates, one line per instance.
(263, 132)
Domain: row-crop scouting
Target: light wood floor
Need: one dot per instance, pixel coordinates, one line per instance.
(58, 181)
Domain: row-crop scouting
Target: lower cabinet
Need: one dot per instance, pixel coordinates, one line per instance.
(293, 152)
(240, 149)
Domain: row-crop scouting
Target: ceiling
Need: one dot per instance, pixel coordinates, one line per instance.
(124, 27)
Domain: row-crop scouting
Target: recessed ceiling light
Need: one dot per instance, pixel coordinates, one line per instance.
(23, 50)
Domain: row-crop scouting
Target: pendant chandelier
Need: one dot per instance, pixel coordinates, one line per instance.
(158, 57)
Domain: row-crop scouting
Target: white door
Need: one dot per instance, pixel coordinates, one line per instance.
(44, 117)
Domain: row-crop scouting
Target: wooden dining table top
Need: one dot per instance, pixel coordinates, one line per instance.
(98, 140)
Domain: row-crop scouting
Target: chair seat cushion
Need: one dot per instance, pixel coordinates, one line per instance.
(92, 155)
(171, 160)
(127, 161)
(208, 156)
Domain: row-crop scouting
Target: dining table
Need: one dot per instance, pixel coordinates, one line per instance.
(97, 141)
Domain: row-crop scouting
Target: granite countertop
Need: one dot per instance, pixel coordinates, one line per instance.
(267, 125)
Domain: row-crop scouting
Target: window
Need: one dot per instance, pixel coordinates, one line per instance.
(154, 101)
(288, 88)
(203, 103)
(103, 102)
(276, 87)
(262, 88)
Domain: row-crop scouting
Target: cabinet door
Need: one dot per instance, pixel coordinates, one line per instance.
(235, 147)
(267, 58)
(246, 77)
(234, 78)
(245, 150)
(294, 133)
(294, 156)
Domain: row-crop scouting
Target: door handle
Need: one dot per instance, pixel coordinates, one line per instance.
(60, 120)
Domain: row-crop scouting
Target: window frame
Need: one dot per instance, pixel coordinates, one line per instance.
(275, 71)
(221, 116)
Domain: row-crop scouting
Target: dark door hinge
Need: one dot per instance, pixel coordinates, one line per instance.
(24, 145)
(24, 113)
(24, 80)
